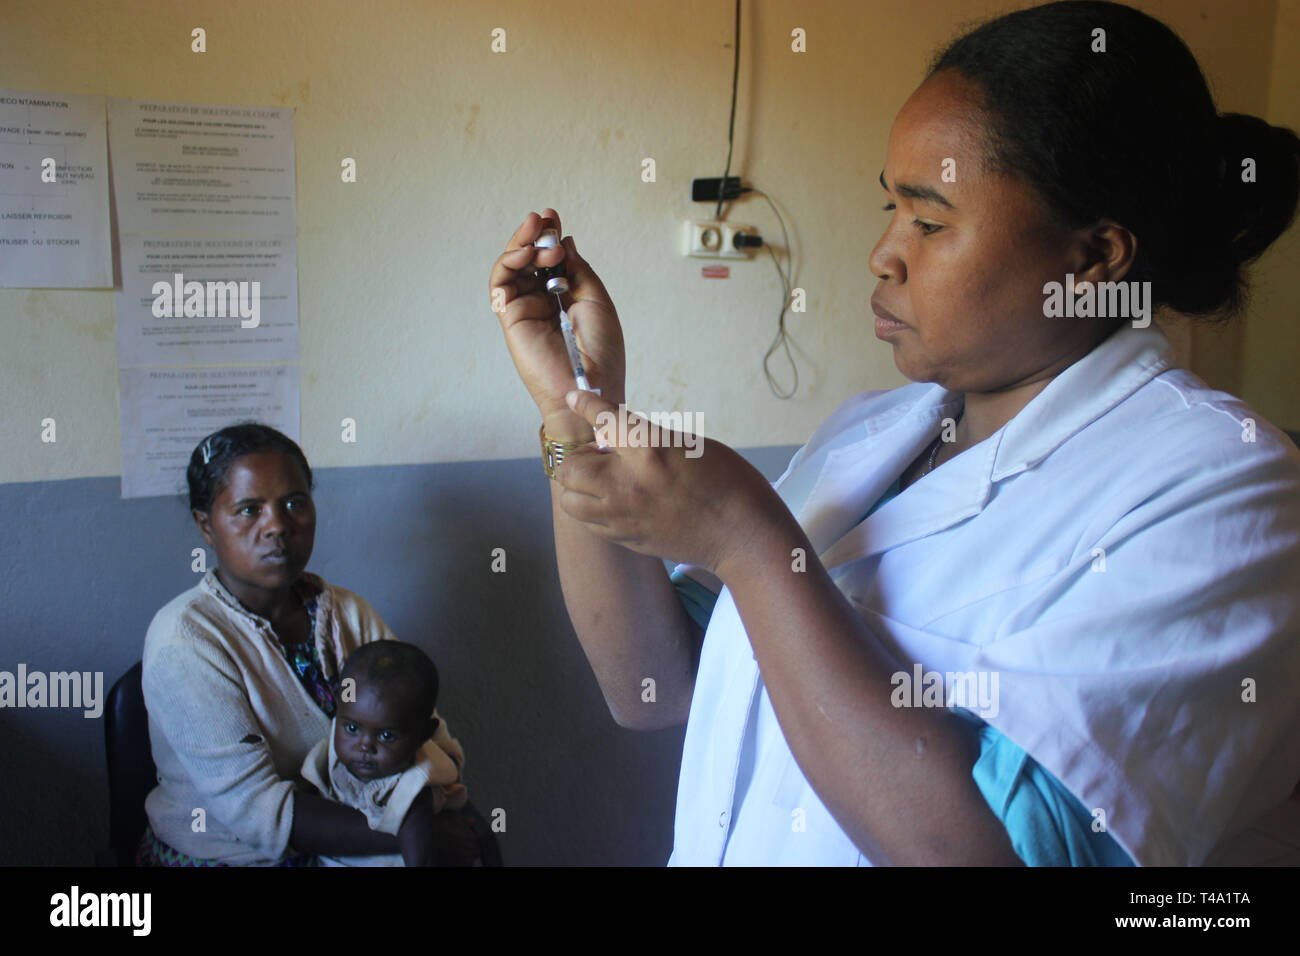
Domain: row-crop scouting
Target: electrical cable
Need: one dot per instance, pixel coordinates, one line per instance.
(731, 132)
(782, 338)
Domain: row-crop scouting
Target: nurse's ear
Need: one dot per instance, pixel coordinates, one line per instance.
(1101, 252)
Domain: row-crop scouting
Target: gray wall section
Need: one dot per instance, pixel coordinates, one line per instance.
(85, 572)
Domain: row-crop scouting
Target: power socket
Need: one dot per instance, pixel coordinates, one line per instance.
(711, 239)
(702, 238)
(729, 232)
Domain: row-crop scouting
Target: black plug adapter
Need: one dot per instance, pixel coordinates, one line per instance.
(706, 190)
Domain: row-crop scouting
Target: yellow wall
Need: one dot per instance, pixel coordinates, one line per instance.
(455, 144)
(1271, 353)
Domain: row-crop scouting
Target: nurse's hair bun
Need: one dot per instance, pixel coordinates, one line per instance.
(1254, 202)
(1261, 182)
(1128, 131)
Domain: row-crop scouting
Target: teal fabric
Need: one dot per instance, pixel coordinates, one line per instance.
(695, 597)
(1047, 824)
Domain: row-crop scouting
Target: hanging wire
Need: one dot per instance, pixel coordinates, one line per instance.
(731, 131)
(782, 339)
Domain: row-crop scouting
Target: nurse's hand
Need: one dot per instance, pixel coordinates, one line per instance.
(687, 499)
(530, 319)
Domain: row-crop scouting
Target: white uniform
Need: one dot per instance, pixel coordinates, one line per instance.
(1120, 554)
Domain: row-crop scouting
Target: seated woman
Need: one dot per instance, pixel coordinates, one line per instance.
(241, 680)
(1043, 604)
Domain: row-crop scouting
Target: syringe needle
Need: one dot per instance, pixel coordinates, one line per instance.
(575, 357)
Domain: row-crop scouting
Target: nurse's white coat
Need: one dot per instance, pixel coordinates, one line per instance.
(1129, 684)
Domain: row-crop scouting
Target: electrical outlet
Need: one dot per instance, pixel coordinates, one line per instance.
(729, 232)
(702, 238)
(710, 239)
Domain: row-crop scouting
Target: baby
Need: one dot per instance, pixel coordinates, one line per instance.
(385, 746)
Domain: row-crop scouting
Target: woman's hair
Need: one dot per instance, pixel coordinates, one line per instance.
(1132, 134)
(211, 459)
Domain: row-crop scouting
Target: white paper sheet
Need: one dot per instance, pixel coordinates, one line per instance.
(167, 411)
(53, 235)
(193, 169)
(144, 339)
(205, 200)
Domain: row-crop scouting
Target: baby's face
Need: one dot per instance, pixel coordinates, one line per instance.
(376, 737)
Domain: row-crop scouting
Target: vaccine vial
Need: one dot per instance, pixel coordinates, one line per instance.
(556, 281)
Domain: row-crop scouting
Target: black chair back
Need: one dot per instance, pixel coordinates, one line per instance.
(131, 771)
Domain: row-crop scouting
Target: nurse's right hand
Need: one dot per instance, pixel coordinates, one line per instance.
(530, 319)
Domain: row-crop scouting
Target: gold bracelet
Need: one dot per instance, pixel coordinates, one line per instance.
(553, 451)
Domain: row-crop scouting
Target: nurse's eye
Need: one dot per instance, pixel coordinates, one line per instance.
(927, 228)
(248, 510)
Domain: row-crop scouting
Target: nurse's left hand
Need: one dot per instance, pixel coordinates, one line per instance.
(685, 498)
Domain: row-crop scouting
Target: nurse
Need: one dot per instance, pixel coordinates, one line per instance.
(1088, 558)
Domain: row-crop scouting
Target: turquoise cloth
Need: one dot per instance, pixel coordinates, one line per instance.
(1047, 824)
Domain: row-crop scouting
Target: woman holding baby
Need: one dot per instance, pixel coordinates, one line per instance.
(243, 680)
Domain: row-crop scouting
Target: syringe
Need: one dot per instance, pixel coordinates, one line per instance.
(575, 358)
(557, 283)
